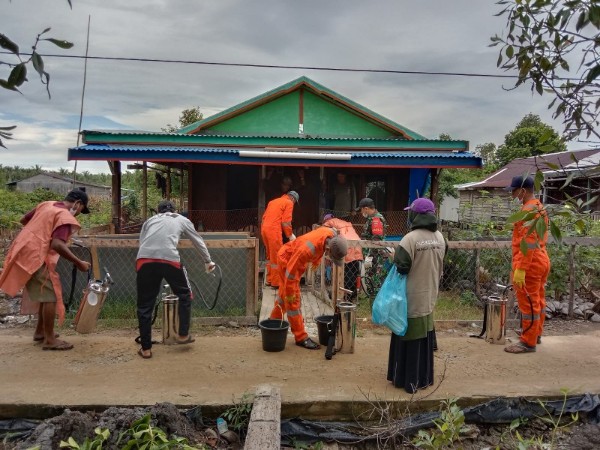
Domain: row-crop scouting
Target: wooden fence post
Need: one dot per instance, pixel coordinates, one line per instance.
(477, 275)
(571, 279)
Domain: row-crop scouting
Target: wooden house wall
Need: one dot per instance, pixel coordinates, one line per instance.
(62, 187)
(477, 206)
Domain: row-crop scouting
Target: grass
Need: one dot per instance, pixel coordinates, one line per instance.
(451, 305)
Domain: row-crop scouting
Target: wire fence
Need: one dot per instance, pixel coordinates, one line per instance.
(234, 253)
(473, 270)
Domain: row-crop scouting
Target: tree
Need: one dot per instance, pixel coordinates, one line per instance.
(18, 72)
(544, 37)
(187, 117)
(488, 154)
(531, 137)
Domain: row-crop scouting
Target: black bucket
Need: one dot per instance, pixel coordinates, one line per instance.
(324, 324)
(274, 334)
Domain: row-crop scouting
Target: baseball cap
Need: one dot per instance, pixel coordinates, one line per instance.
(78, 194)
(365, 202)
(166, 206)
(338, 249)
(520, 182)
(294, 195)
(421, 206)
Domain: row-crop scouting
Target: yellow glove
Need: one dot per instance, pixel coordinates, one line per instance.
(519, 278)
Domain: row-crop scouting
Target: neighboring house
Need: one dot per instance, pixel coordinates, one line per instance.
(487, 200)
(58, 184)
(302, 133)
(449, 207)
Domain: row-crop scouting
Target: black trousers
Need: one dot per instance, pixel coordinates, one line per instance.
(148, 281)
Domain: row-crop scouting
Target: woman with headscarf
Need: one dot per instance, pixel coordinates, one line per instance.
(419, 256)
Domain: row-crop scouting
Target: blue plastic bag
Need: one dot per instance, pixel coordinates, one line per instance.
(390, 308)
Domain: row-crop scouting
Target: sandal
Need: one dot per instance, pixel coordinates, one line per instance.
(59, 346)
(41, 338)
(519, 347)
(141, 353)
(188, 340)
(309, 344)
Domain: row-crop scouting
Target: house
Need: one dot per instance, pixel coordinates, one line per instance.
(56, 183)
(487, 200)
(301, 134)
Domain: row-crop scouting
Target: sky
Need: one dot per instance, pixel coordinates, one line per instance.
(424, 35)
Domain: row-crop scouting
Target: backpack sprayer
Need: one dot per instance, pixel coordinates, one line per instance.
(170, 308)
(495, 317)
(94, 295)
(342, 329)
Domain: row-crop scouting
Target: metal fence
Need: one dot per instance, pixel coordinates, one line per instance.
(473, 269)
(235, 254)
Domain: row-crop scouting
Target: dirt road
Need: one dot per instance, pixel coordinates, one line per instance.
(104, 369)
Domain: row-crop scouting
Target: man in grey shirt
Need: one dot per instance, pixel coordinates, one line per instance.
(158, 258)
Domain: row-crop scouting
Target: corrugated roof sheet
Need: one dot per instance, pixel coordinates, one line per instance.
(232, 155)
(521, 166)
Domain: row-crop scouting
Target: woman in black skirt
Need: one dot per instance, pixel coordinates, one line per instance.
(420, 256)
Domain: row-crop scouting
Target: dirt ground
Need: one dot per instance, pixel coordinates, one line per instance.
(226, 362)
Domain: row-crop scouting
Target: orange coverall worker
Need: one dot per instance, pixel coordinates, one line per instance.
(536, 265)
(293, 258)
(31, 250)
(277, 218)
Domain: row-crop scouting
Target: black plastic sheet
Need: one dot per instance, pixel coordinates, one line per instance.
(497, 411)
(16, 429)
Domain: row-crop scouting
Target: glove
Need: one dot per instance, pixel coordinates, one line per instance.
(209, 267)
(519, 278)
(292, 237)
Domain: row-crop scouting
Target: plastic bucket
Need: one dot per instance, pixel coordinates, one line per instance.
(274, 334)
(324, 324)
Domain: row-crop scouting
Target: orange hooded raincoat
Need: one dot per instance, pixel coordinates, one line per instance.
(31, 250)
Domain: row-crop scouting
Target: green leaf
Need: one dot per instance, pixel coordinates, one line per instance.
(516, 217)
(510, 51)
(18, 75)
(6, 85)
(9, 45)
(593, 73)
(551, 165)
(555, 232)
(580, 226)
(540, 228)
(523, 247)
(538, 180)
(567, 181)
(38, 63)
(60, 43)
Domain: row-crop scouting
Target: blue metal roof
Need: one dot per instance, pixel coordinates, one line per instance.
(230, 155)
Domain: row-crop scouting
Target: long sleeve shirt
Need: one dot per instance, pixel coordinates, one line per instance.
(160, 236)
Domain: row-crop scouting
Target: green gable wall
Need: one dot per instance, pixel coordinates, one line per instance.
(322, 118)
(279, 116)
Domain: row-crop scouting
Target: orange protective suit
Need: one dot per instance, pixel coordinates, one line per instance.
(31, 249)
(292, 260)
(277, 218)
(536, 265)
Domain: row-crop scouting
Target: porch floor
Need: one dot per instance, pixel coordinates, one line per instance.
(311, 307)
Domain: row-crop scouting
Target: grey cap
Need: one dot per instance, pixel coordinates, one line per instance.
(338, 249)
(294, 195)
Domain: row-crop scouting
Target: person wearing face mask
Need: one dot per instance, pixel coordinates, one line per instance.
(419, 256)
(33, 256)
(375, 224)
(530, 268)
